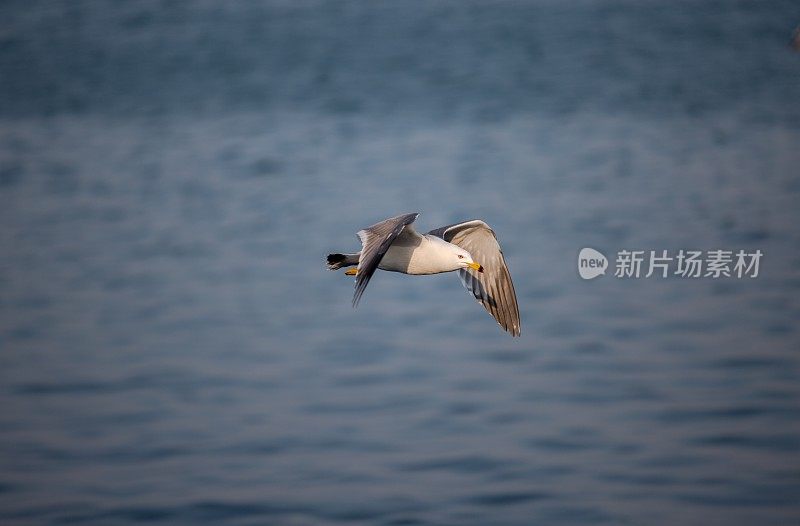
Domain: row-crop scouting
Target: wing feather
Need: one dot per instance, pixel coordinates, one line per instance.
(375, 241)
(493, 287)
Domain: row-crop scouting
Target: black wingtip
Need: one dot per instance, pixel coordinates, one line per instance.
(356, 299)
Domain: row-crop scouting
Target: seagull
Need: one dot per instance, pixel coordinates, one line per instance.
(394, 245)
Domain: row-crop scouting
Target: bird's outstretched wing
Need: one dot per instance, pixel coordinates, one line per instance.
(492, 287)
(375, 241)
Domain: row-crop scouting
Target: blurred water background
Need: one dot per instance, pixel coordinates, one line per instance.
(172, 349)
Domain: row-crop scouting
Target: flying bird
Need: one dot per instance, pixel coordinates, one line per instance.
(470, 247)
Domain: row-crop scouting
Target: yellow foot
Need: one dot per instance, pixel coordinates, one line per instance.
(351, 272)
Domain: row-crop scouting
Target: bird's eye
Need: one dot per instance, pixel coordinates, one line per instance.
(460, 256)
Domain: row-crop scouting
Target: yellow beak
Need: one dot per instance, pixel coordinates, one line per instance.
(476, 266)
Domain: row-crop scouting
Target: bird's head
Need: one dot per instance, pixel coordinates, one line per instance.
(464, 259)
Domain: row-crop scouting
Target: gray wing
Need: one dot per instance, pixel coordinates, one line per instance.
(493, 287)
(375, 241)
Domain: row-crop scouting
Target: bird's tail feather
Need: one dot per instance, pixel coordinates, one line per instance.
(337, 261)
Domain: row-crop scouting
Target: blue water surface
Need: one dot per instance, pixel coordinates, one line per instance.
(173, 350)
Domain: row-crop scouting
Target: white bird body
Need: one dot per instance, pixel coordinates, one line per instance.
(412, 253)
